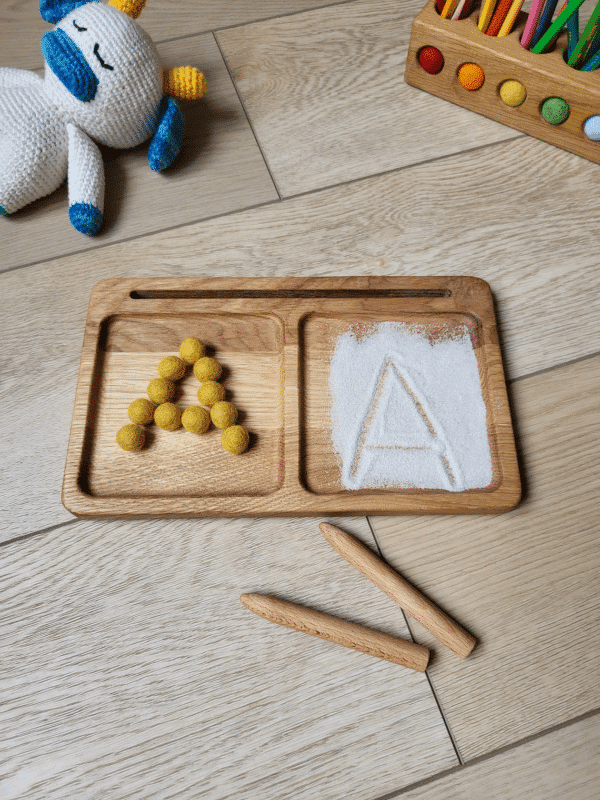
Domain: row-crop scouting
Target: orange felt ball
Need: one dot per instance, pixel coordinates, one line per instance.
(431, 59)
(471, 76)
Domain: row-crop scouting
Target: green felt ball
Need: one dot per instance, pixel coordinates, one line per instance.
(555, 110)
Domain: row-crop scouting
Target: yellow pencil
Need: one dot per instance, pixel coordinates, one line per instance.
(510, 18)
(449, 8)
(486, 14)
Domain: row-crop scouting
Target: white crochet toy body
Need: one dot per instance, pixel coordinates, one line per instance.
(104, 83)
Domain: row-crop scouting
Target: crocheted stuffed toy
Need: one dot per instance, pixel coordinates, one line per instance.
(103, 83)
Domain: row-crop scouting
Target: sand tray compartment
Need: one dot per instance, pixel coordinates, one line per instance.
(275, 338)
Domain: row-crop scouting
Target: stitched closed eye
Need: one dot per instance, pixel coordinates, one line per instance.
(79, 28)
(99, 57)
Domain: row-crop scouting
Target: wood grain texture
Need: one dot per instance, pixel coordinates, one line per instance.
(501, 58)
(220, 169)
(22, 27)
(408, 597)
(524, 583)
(130, 669)
(326, 97)
(257, 330)
(339, 631)
(538, 275)
(562, 765)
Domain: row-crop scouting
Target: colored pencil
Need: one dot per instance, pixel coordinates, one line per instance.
(585, 41)
(557, 26)
(545, 19)
(449, 8)
(592, 63)
(511, 18)
(486, 14)
(572, 33)
(498, 18)
(463, 6)
(532, 20)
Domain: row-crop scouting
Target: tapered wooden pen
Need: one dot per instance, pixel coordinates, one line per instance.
(348, 634)
(410, 599)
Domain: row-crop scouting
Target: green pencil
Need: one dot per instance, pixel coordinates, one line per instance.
(556, 26)
(585, 41)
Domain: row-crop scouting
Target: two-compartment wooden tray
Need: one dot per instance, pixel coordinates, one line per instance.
(275, 338)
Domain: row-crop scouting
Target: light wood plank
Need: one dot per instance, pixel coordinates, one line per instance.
(563, 765)
(131, 668)
(220, 169)
(326, 96)
(376, 226)
(22, 27)
(525, 582)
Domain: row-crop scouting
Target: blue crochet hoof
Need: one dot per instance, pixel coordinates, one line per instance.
(166, 142)
(4, 212)
(85, 218)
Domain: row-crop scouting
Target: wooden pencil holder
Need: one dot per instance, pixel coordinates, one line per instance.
(502, 58)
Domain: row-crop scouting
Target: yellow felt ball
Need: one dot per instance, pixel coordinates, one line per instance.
(131, 437)
(210, 393)
(191, 350)
(223, 414)
(161, 390)
(512, 93)
(168, 416)
(195, 419)
(171, 368)
(235, 439)
(141, 411)
(207, 369)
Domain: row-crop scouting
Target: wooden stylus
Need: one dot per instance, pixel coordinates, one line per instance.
(349, 634)
(410, 599)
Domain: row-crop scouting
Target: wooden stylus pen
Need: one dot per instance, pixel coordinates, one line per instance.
(349, 634)
(410, 599)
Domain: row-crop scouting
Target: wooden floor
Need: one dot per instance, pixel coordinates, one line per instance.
(129, 667)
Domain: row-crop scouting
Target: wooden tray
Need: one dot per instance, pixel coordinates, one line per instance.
(274, 337)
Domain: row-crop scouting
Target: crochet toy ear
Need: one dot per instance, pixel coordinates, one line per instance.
(184, 83)
(133, 8)
(55, 10)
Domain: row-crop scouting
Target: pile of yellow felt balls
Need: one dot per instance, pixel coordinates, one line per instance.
(160, 409)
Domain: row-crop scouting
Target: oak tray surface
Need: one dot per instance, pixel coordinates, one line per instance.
(274, 339)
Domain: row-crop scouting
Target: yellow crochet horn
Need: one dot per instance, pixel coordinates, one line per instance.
(184, 83)
(133, 8)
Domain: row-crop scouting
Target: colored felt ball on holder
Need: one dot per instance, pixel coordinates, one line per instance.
(431, 59)
(235, 439)
(591, 128)
(131, 437)
(171, 368)
(555, 110)
(512, 93)
(471, 76)
(191, 350)
(141, 411)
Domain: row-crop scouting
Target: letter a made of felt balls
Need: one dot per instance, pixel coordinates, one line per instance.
(103, 82)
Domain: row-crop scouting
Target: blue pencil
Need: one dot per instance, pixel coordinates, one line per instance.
(545, 18)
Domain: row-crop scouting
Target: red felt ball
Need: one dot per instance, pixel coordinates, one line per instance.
(431, 59)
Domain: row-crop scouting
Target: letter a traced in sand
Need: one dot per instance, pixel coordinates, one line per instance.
(398, 420)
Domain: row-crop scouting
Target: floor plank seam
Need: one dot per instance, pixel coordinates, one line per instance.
(544, 370)
(25, 536)
(431, 687)
(256, 21)
(491, 755)
(248, 120)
